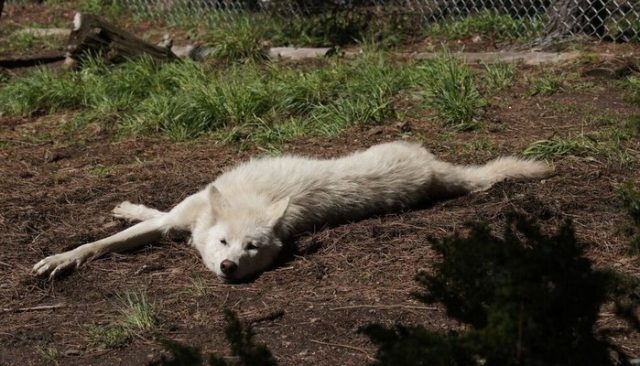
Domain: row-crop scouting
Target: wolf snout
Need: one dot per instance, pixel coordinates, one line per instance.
(228, 267)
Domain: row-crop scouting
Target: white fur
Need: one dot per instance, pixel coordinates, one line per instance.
(243, 217)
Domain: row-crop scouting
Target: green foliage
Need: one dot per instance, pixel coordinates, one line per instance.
(609, 142)
(239, 40)
(244, 350)
(332, 24)
(451, 90)
(489, 24)
(110, 9)
(527, 299)
(498, 76)
(560, 146)
(632, 83)
(547, 84)
(137, 313)
(630, 199)
(184, 100)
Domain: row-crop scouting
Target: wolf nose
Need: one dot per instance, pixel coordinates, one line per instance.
(228, 267)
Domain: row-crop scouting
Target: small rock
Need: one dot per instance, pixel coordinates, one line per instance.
(72, 352)
(404, 126)
(375, 131)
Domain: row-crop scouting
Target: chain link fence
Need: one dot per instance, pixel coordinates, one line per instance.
(612, 20)
(605, 19)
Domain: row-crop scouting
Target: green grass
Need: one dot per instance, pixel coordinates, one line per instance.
(137, 314)
(498, 76)
(49, 355)
(21, 42)
(630, 199)
(240, 40)
(452, 91)
(489, 24)
(632, 84)
(561, 146)
(608, 142)
(265, 102)
(547, 84)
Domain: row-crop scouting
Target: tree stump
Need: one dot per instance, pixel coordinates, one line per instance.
(93, 35)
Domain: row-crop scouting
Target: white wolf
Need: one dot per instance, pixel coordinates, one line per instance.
(239, 222)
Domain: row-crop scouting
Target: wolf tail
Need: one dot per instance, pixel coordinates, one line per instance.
(474, 178)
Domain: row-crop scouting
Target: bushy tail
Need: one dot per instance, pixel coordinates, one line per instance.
(474, 178)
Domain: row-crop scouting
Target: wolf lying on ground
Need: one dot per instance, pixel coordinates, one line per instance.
(240, 221)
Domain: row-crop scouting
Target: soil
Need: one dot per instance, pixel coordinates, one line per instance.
(57, 189)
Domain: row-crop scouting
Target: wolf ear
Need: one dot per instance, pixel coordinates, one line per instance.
(216, 201)
(277, 210)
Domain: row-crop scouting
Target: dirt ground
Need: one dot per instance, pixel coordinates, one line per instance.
(57, 189)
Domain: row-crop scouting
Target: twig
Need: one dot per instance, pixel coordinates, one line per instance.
(363, 351)
(393, 306)
(12, 141)
(33, 308)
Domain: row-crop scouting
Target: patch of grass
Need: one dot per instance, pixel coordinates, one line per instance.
(347, 24)
(239, 40)
(50, 355)
(110, 9)
(482, 144)
(632, 84)
(498, 76)
(198, 287)
(262, 102)
(601, 120)
(489, 24)
(609, 142)
(137, 314)
(632, 124)
(547, 84)
(561, 146)
(109, 336)
(21, 42)
(101, 171)
(630, 199)
(451, 90)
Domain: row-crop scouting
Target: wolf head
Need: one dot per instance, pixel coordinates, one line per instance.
(238, 238)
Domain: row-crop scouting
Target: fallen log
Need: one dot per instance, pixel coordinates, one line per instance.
(31, 60)
(93, 35)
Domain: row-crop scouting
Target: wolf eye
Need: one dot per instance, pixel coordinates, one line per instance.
(223, 241)
(251, 246)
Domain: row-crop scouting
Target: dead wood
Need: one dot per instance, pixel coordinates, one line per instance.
(293, 53)
(31, 60)
(93, 35)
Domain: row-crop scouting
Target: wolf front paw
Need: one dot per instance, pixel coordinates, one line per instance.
(55, 264)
